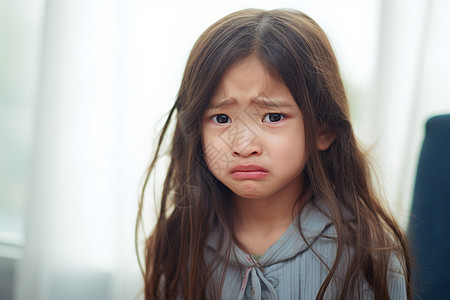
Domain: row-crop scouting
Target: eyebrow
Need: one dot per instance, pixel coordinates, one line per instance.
(221, 103)
(270, 102)
(261, 101)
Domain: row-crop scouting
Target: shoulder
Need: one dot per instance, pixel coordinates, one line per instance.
(396, 278)
(318, 260)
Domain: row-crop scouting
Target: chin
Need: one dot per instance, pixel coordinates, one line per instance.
(248, 192)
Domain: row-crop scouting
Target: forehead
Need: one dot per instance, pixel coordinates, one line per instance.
(249, 80)
(250, 70)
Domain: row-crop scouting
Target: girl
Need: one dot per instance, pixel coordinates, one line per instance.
(267, 194)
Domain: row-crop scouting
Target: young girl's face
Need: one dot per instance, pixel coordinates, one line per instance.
(253, 134)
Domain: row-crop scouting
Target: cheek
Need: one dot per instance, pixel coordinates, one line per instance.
(208, 143)
(289, 152)
(289, 141)
(215, 153)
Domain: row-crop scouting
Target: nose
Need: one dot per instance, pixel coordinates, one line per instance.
(248, 150)
(245, 143)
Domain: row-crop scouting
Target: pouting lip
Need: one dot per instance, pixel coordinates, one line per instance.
(247, 168)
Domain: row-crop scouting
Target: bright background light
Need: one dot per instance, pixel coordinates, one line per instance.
(84, 86)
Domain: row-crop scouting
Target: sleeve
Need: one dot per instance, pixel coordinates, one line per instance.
(396, 279)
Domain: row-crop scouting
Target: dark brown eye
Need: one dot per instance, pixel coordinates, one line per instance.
(221, 119)
(273, 117)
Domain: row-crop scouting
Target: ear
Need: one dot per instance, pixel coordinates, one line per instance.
(325, 139)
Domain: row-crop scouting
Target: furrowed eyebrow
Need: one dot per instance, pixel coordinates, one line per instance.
(221, 103)
(267, 102)
(261, 101)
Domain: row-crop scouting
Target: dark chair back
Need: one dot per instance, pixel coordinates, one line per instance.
(429, 226)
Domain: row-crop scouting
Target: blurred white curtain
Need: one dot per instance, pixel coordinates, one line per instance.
(412, 84)
(83, 190)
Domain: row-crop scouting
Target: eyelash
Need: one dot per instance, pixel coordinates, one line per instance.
(214, 118)
(278, 114)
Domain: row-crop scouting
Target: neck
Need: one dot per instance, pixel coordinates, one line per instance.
(258, 223)
(263, 213)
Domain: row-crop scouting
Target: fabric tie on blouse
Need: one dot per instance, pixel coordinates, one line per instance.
(257, 279)
(257, 274)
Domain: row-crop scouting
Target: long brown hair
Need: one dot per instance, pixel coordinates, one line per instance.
(295, 50)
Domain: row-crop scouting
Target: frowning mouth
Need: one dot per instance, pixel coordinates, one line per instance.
(242, 172)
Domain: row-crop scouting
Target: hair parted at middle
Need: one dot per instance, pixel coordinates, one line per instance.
(295, 51)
